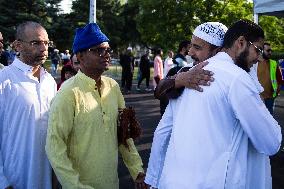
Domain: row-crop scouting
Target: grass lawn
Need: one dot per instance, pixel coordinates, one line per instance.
(113, 72)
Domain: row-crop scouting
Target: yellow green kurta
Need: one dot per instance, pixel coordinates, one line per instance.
(82, 135)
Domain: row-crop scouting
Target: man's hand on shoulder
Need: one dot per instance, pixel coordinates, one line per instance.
(194, 78)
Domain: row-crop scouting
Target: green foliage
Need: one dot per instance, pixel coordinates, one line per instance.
(128, 25)
(274, 31)
(61, 32)
(80, 14)
(233, 10)
(165, 23)
(12, 13)
(114, 17)
(159, 23)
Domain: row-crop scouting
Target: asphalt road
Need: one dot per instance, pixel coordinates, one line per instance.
(147, 111)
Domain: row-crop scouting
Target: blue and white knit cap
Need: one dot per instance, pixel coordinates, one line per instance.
(211, 32)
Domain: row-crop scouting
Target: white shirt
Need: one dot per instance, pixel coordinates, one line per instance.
(24, 105)
(259, 172)
(65, 56)
(181, 62)
(253, 74)
(189, 60)
(168, 64)
(209, 135)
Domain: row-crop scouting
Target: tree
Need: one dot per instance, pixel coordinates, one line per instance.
(128, 28)
(274, 31)
(61, 32)
(164, 23)
(110, 17)
(16, 12)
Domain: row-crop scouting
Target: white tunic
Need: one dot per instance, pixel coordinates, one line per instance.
(253, 74)
(168, 64)
(208, 135)
(24, 104)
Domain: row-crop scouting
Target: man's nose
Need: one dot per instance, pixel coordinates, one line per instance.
(191, 51)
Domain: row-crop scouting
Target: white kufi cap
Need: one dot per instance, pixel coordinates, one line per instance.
(211, 32)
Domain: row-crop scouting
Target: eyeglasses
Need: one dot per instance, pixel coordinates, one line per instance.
(101, 51)
(35, 43)
(260, 51)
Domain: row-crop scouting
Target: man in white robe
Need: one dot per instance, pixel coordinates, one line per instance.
(26, 90)
(203, 46)
(214, 137)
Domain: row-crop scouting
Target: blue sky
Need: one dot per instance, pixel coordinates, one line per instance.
(66, 5)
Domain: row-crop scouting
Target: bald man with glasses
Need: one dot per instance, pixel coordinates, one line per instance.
(26, 90)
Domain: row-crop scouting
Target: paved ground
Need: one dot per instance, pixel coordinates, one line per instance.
(147, 109)
(148, 113)
(277, 161)
(279, 109)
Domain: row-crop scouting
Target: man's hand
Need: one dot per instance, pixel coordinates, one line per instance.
(194, 77)
(139, 182)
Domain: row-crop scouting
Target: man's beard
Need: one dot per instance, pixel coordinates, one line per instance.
(33, 60)
(242, 61)
(265, 56)
(196, 60)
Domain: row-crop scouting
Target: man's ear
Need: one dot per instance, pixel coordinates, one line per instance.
(216, 50)
(241, 43)
(17, 44)
(80, 57)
